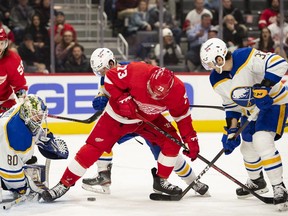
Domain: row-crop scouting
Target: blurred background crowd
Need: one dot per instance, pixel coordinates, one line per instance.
(58, 36)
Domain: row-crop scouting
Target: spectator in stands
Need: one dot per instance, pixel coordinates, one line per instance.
(171, 51)
(195, 37)
(43, 9)
(276, 30)
(233, 33)
(228, 8)
(40, 37)
(213, 32)
(265, 42)
(268, 16)
(63, 48)
(168, 21)
(5, 8)
(32, 57)
(21, 15)
(124, 9)
(77, 60)
(138, 21)
(61, 26)
(194, 16)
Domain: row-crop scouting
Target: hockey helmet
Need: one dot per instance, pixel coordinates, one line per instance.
(33, 111)
(100, 59)
(160, 83)
(209, 52)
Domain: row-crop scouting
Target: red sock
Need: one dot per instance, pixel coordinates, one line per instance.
(68, 179)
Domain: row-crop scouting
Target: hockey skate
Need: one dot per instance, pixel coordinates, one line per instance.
(258, 185)
(280, 197)
(201, 188)
(54, 193)
(161, 185)
(100, 183)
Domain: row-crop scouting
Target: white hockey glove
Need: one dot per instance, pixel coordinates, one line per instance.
(52, 148)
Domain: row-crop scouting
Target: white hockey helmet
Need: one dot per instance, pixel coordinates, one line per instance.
(33, 111)
(210, 50)
(100, 59)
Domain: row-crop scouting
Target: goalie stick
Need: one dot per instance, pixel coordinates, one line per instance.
(85, 121)
(166, 197)
(267, 200)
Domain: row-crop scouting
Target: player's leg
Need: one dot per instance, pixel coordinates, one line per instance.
(105, 133)
(270, 127)
(167, 156)
(102, 181)
(253, 166)
(182, 169)
(186, 173)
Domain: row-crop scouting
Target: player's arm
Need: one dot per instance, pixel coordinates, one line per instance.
(16, 77)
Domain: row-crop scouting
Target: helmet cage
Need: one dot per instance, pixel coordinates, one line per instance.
(33, 112)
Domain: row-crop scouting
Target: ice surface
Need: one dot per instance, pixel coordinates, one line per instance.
(132, 184)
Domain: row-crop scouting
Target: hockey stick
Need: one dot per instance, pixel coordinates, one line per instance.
(267, 200)
(157, 196)
(207, 106)
(85, 121)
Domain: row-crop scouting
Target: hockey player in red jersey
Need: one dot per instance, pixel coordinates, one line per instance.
(12, 78)
(137, 89)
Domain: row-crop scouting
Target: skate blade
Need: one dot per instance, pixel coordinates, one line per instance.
(262, 191)
(282, 207)
(97, 189)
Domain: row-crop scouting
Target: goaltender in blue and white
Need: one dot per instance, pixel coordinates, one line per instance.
(249, 80)
(20, 130)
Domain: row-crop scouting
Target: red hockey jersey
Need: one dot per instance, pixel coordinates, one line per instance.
(11, 78)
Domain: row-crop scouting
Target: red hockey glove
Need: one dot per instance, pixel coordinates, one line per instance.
(191, 141)
(127, 106)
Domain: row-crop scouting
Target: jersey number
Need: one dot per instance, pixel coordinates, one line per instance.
(122, 71)
(260, 54)
(12, 160)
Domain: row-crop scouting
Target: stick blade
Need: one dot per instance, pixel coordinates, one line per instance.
(164, 197)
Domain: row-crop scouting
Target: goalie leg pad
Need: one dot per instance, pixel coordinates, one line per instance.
(36, 172)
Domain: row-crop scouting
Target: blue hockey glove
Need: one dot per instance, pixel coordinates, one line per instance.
(52, 148)
(229, 142)
(261, 95)
(100, 102)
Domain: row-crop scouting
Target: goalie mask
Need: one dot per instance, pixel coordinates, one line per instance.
(160, 83)
(210, 51)
(33, 111)
(3, 41)
(100, 60)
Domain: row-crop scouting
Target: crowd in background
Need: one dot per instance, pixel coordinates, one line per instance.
(27, 23)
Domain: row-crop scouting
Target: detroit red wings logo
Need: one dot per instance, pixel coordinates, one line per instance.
(150, 109)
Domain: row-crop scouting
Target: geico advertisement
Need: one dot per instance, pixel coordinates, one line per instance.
(72, 95)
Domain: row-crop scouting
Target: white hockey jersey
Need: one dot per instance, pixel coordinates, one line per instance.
(16, 148)
(250, 66)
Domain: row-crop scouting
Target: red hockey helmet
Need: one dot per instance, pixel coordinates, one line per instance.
(3, 35)
(160, 83)
(3, 41)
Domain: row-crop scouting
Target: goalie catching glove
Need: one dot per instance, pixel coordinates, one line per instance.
(191, 142)
(51, 147)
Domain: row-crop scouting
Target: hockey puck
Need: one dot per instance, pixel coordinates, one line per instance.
(91, 199)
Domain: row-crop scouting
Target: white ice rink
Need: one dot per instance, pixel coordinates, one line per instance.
(132, 184)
